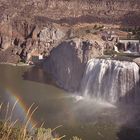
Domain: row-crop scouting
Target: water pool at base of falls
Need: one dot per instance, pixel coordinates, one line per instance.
(111, 80)
(82, 116)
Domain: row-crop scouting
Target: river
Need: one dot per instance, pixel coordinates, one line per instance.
(86, 119)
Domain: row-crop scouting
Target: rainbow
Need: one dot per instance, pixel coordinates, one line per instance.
(21, 109)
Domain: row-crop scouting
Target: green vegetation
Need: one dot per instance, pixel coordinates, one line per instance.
(12, 131)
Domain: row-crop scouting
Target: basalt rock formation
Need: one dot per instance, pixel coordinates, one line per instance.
(73, 11)
(67, 62)
(51, 28)
(26, 26)
(21, 40)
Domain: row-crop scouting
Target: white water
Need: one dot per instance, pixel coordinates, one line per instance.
(110, 80)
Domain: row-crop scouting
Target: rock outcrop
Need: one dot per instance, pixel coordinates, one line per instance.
(67, 62)
(51, 28)
(26, 26)
(23, 40)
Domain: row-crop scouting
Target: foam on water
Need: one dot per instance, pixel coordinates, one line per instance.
(91, 101)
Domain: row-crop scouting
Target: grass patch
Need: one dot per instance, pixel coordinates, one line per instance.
(11, 130)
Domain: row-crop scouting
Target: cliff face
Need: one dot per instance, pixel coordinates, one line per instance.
(47, 27)
(67, 62)
(22, 22)
(73, 11)
(106, 11)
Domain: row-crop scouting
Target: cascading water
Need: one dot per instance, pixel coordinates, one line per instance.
(110, 80)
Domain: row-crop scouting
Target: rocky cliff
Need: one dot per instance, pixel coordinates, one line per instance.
(67, 62)
(19, 41)
(52, 28)
(73, 11)
(23, 24)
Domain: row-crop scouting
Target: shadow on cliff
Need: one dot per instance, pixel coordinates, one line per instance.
(129, 19)
(76, 20)
(130, 106)
(64, 66)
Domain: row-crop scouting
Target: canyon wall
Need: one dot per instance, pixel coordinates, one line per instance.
(73, 11)
(46, 27)
(22, 23)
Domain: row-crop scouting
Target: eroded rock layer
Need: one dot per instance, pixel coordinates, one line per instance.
(27, 27)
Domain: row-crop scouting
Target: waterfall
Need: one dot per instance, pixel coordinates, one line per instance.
(110, 80)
